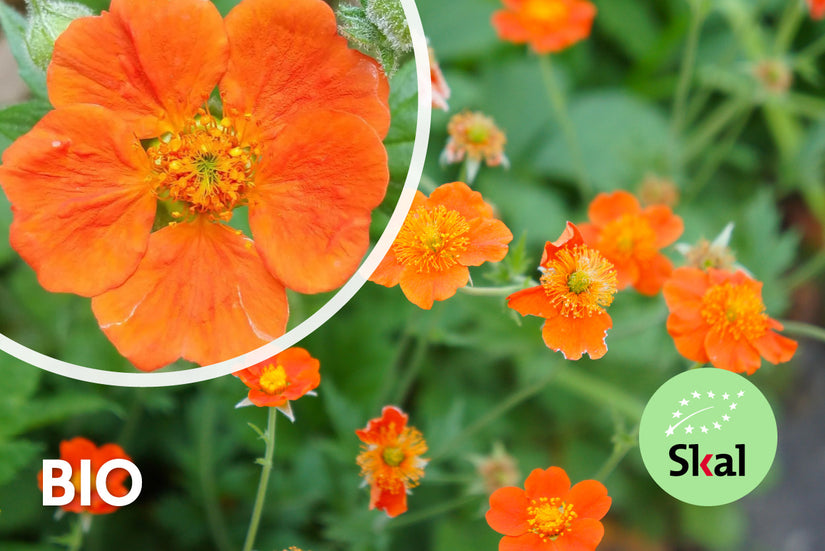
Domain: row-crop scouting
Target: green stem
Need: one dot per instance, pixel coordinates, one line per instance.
(462, 172)
(716, 156)
(560, 107)
(788, 25)
(266, 462)
(413, 369)
(621, 446)
(802, 329)
(418, 516)
(809, 270)
(715, 123)
(75, 542)
(697, 17)
(814, 49)
(598, 391)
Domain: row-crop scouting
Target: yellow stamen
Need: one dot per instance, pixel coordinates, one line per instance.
(628, 236)
(735, 310)
(395, 464)
(273, 379)
(580, 281)
(549, 518)
(545, 11)
(432, 240)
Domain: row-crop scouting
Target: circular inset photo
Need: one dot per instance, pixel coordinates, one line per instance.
(190, 203)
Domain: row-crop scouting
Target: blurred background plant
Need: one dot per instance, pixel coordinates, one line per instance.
(716, 108)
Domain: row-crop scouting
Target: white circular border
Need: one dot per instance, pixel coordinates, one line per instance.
(194, 375)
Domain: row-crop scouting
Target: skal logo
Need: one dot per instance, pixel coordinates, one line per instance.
(84, 482)
(708, 436)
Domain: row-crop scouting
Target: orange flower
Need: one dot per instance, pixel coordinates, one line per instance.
(441, 91)
(390, 460)
(443, 234)
(284, 377)
(577, 284)
(298, 143)
(549, 515)
(817, 8)
(72, 451)
(631, 237)
(476, 137)
(547, 25)
(719, 317)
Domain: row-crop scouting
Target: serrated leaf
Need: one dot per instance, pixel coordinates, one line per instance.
(14, 26)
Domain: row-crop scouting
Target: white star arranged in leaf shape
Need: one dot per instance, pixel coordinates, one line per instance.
(733, 406)
(725, 396)
(717, 426)
(696, 394)
(725, 418)
(677, 414)
(688, 430)
(740, 393)
(704, 429)
(669, 431)
(711, 394)
(683, 402)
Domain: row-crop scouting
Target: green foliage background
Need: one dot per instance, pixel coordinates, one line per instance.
(468, 372)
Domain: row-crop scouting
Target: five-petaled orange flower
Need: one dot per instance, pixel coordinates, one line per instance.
(719, 317)
(817, 8)
(72, 451)
(390, 460)
(576, 286)
(277, 381)
(547, 25)
(442, 235)
(549, 515)
(298, 143)
(630, 237)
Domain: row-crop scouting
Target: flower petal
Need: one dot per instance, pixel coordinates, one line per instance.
(392, 421)
(459, 197)
(667, 226)
(287, 57)
(200, 293)
(488, 242)
(570, 237)
(315, 189)
(508, 511)
(685, 289)
(526, 542)
(532, 302)
(775, 348)
(154, 63)
(82, 210)
(422, 288)
(388, 272)
(576, 336)
(734, 355)
(589, 499)
(552, 482)
(653, 273)
(585, 535)
(392, 503)
(607, 207)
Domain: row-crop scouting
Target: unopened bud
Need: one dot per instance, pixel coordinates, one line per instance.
(47, 20)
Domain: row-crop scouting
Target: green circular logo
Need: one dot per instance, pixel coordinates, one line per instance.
(708, 436)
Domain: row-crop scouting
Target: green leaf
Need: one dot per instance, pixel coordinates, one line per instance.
(41, 412)
(631, 24)
(14, 26)
(14, 456)
(18, 119)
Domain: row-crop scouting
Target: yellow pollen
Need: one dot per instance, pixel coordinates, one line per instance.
(628, 236)
(207, 167)
(549, 518)
(545, 11)
(393, 456)
(273, 379)
(735, 310)
(580, 281)
(432, 240)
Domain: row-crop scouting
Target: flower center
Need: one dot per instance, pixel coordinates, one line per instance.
(432, 240)
(393, 456)
(627, 237)
(545, 11)
(273, 379)
(737, 310)
(580, 281)
(207, 167)
(549, 518)
(478, 133)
